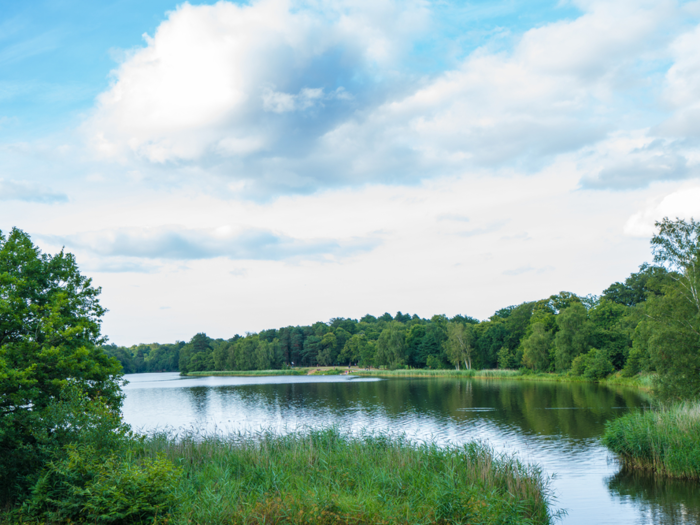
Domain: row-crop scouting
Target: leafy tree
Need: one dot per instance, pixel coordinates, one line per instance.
(49, 340)
(391, 346)
(458, 346)
(572, 338)
(674, 343)
(536, 348)
(638, 286)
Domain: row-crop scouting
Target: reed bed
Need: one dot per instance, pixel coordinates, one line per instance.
(250, 373)
(665, 440)
(324, 477)
(421, 372)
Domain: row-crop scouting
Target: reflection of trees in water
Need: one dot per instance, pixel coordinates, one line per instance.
(661, 500)
(577, 410)
(198, 397)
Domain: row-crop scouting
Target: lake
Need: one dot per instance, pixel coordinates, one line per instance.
(555, 425)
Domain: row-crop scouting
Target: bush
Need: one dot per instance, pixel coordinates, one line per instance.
(599, 365)
(85, 486)
(594, 365)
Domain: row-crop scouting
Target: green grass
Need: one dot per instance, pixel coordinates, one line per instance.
(423, 372)
(324, 477)
(641, 381)
(249, 373)
(666, 440)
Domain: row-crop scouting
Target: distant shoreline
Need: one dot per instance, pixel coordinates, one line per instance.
(641, 382)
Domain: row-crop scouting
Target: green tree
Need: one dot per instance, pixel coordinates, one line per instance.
(572, 338)
(674, 318)
(49, 340)
(536, 348)
(391, 345)
(459, 347)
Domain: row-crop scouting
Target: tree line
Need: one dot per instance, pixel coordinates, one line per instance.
(594, 335)
(648, 323)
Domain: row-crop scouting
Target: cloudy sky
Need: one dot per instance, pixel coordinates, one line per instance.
(234, 166)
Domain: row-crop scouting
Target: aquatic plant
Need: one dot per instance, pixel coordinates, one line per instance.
(663, 440)
(328, 477)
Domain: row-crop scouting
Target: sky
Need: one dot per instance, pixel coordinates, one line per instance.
(230, 167)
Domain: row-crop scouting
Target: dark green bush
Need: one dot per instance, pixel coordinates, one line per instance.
(86, 486)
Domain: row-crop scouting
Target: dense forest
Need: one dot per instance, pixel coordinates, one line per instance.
(593, 335)
(646, 324)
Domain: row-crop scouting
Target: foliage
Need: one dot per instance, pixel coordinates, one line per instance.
(327, 477)
(85, 485)
(663, 440)
(49, 337)
(536, 348)
(671, 330)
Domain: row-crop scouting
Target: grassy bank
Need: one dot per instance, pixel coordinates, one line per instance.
(249, 373)
(642, 382)
(665, 440)
(423, 372)
(325, 477)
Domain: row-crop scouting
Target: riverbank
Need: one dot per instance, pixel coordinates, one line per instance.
(319, 477)
(664, 440)
(642, 382)
(327, 477)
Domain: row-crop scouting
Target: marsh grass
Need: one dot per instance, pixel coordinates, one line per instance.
(422, 372)
(324, 477)
(665, 440)
(250, 373)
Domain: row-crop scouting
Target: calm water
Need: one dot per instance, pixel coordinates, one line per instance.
(555, 425)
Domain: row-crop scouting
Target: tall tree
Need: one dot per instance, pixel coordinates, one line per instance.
(674, 337)
(458, 346)
(49, 340)
(572, 338)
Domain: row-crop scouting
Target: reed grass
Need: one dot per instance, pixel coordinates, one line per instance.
(422, 372)
(250, 373)
(640, 381)
(665, 440)
(324, 477)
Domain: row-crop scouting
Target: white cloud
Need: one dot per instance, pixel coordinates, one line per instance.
(683, 204)
(210, 74)
(178, 243)
(291, 97)
(682, 86)
(29, 192)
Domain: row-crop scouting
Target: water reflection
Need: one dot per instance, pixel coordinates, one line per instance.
(555, 425)
(659, 500)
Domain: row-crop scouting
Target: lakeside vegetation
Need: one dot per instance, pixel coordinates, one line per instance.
(584, 337)
(664, 440)
(641, 330)
(66, 456)
(326, 477)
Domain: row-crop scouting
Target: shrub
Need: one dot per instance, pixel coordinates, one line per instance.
(85, 486)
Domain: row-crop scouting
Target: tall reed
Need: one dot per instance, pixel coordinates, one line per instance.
(328, 477)
(422, 372)
(665, 440)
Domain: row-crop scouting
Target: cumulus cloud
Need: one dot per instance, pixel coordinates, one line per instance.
(286, 96)
(684, 204)
(222, 74)
(176, 243)
(682, 86)
(635, 162)
(29, 192)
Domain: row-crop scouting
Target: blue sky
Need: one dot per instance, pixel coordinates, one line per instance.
(232, 167)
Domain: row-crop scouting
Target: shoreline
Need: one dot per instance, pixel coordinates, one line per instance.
(640, 382)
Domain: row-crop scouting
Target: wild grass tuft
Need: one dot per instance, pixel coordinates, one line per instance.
(665, 440)
(329, 477)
